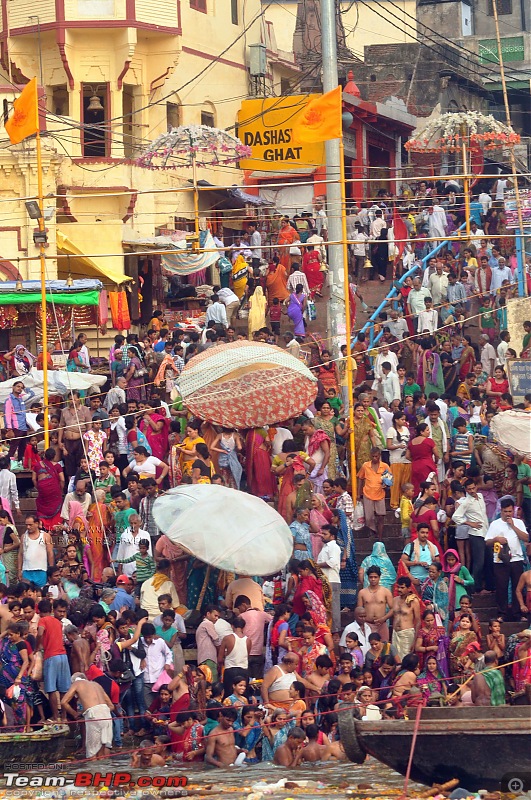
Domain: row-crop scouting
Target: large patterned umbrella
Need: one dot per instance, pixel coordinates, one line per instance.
(512, 429)
(246, 385)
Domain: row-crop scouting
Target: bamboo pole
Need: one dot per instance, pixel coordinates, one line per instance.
(348, 322)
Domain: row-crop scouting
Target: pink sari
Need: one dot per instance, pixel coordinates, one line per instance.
(319, 517)
(158, 441)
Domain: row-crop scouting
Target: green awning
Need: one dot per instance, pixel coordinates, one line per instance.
(91, 298)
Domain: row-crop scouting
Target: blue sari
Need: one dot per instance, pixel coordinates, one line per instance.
(348, 573)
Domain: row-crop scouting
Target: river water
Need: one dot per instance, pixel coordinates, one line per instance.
(369, 781)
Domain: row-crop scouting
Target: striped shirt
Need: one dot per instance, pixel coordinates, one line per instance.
(145, 566)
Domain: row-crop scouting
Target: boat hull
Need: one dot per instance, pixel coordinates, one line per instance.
(481, 747)
(41, 747)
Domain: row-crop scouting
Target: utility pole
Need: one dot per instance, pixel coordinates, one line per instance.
(336, 308)
(520, 239)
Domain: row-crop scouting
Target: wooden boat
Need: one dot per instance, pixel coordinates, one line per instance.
(480, 746)
(44, 746)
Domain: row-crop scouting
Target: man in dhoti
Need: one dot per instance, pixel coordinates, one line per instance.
(96, 711)
(406, 618)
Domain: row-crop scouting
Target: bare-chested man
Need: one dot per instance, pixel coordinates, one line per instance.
(320, 676)
(524, 583)
(406, 618)
(377, 602)
(290, 753)
(488, 687)
(221, 750)
(146, 756)
(313, 751)
(80, 651)
(97, 708)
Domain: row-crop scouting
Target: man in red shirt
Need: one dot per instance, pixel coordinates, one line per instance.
(56, 671)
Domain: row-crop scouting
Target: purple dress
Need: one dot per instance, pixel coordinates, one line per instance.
(296, 303)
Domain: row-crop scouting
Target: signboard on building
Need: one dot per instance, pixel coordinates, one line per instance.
(265, 125)
(511, 211)
(512, 49)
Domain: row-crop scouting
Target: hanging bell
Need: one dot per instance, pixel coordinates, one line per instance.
(368, 264)
(95, 104)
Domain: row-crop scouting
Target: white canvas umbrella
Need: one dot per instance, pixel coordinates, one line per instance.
(512, 429)
(225, 528)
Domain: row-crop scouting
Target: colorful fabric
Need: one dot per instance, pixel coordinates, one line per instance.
(379, 558)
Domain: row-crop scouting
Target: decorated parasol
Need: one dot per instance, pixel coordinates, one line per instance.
(512, 429)
(193, 146)
(246, 385)
(225, 528)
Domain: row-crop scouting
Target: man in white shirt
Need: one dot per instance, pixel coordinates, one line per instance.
(84, 354)
(158, 657)
(500, 274)
(437, 223)
(116, 395)
(428, 320)
(297, 277)
(501, 350)
(359, 250)
(318, 243)
(390, 385)
(471, 511)
(255, 242)
(230, 301)
(511, 532)
(488, 355)
(377, 225)
(216, 312)
(438, 284)
(292, 345)
(397, 325)
(359, 627)
(329, 560)
(415, 299)
(486, 202)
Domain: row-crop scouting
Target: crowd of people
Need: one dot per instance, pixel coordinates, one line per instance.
(98, 605)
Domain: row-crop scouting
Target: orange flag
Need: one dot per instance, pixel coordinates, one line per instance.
(320, 120)
(24, 121)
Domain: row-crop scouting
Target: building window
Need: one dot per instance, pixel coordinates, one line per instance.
(207, 118)
(199, 5)
(95, 116)
(173, 115)
(60, 101)
(504, 7)
(234, 12)
(285, 86)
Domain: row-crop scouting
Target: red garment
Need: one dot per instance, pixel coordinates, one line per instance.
(311, 266)
(495, 386)
(157, 441)
(308, 584)
(52, 640)
(422, 462)
(177, 740)
(260, 479)
(427, 517)
(31, 457)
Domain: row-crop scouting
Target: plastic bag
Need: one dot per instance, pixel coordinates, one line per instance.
(358, 518)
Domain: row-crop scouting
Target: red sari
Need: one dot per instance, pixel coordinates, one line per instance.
(49, 493)
(260, 479)
(311, 266)
(422, 462)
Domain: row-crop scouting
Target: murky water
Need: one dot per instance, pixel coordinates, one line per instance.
(340, 779)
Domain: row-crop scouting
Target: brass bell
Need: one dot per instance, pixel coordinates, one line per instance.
(95, 104)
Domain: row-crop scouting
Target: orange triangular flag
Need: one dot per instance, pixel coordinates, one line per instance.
(320, 120)
(24, 121)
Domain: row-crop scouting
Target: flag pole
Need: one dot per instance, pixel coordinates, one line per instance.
(42, 258)
(348, 322)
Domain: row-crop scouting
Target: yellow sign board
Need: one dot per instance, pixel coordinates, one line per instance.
(265, 125)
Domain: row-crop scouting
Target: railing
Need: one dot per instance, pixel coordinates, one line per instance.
(393, 292)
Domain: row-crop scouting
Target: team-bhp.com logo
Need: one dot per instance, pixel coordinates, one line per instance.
(115, 780)
(516, 782)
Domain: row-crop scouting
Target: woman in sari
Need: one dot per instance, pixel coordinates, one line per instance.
(315, 608)
(422, 452)
(197, 574)
(257, 311)
(74, 362)
(462, 639)
(434, 592)
(378, 558)
(49, 481)
(135, 375)
(311, 266)
(459, 578)
(99, 525)
(276, 282)
(178, 558)
(260, 480)
(296, 308)
(430, 374)
(14, 661)
(467, 360)
(365, 436)
(320, 515)
(187, 448)
(78, 523)
(240, 276)
(287, 236)
(311, 578)
(431, 680)
(450, 375)
(359, 351)
(327, 372)
(286, 465)
(9, 545)
(324, 421)
(348, 571)
(155, 427)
